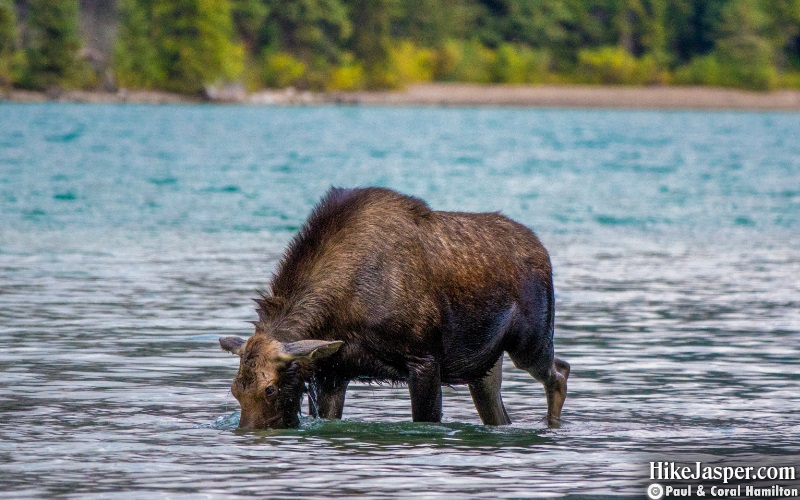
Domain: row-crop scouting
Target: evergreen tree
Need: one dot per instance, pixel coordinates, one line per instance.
(195, 43)
(538, 23)
(640, 25)
(372, 20)
(248, 18)
(309, 29)
(784, 31)
(653, 35)
(569, 26)
(9, 49)
(552, 21)
(53, 45)
(743, 47)
(595, 19)
(372, 40)
(678, 30)
(430, 23)
(705, 21)
(136, 61)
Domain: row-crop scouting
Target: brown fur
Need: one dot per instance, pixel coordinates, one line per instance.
(416, 295)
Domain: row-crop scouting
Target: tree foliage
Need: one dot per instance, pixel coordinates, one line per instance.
(249, 17)
(308, 28)
(181, 45)
(196, 45)
(9, 44)
(53, 45)
(136, 58)
(743, 47)
(184, 45)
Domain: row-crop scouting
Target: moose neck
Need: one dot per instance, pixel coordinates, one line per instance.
(297, 321)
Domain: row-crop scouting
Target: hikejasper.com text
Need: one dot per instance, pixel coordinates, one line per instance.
(671, 471)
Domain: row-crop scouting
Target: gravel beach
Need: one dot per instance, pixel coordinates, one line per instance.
(459, 94)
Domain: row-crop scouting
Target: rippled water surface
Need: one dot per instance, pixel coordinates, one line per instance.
(131, 237)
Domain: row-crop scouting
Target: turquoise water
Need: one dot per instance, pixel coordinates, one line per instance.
(131, 237)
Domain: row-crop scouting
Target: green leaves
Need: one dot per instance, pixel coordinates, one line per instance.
(136, 58)
(181, 45)
(743, 54)
(187, 45)
(10, 55)
(53, 45)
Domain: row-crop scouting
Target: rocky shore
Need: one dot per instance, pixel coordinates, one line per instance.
(454, 94)
(581, 97)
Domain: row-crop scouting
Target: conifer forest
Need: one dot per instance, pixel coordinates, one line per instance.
(185, 45)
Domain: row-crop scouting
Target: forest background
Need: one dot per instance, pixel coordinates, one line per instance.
(185, 46)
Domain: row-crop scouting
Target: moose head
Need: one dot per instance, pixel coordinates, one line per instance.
(272, 377)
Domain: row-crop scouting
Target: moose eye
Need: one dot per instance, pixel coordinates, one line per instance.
(270, 390)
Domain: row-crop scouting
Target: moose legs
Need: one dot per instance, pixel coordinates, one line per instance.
(425, 387)
(486, 396)
(530, 344)
(326, 398)
(554, 379)
(555, 387)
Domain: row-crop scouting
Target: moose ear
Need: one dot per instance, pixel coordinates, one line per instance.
(311, 349)
(234, 345)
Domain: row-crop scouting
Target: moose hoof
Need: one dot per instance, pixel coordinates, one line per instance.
(552, 422)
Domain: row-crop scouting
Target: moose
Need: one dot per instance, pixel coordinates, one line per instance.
(378, 286)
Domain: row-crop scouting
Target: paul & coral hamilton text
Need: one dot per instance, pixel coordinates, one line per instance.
(672, 471)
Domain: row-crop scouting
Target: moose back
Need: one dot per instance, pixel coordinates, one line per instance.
(378, 286)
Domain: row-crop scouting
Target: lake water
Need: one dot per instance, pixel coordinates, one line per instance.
(131, 237)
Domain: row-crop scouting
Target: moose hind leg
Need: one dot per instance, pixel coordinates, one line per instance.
(486, 396)
(530, 347)
(425, 388)
(554, 379)
(555, 387)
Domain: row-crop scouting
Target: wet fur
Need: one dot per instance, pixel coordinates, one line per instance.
(410, 290)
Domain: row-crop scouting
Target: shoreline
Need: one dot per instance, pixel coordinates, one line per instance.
(455, 94)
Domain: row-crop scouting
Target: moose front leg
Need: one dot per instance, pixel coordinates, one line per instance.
(425, 387)
(326, 398)
(486, 396)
